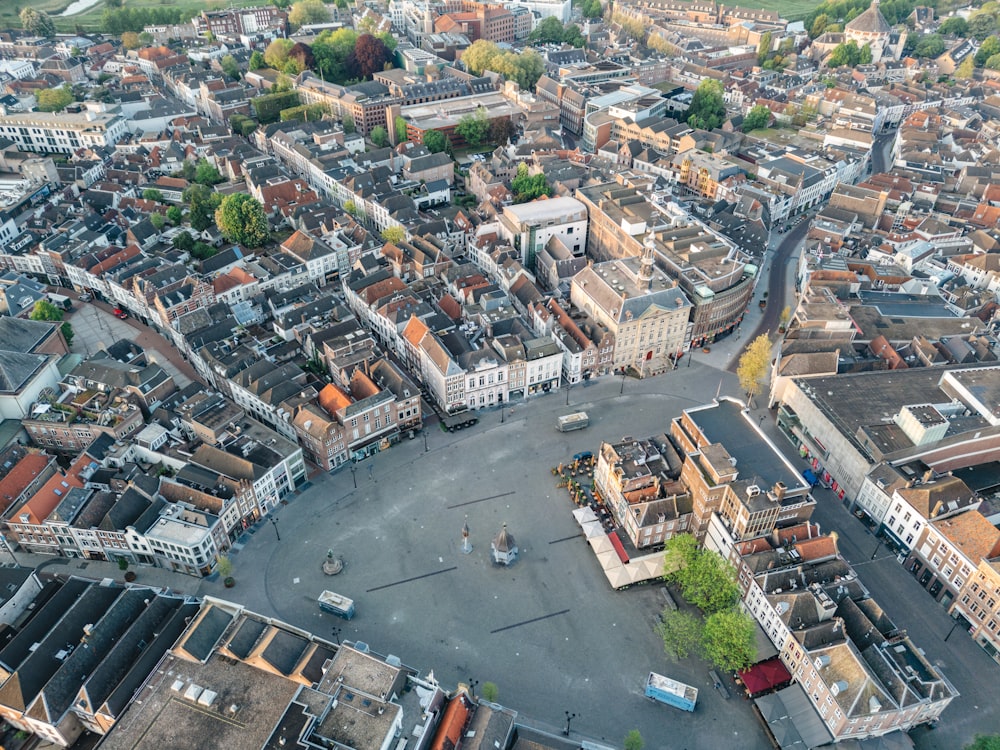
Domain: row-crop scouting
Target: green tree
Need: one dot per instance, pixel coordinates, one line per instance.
(54, 100)
(157, 220)
(202, 251)
(202, 202)
(184, 241)
(758, 117)
(241, 219)
(350, 207)
(331, 50)
(479, 55)
(819, 25)
(954, 26)
(399, 124)
(130, 40)
(394, 234)
(230, 67)
(680, 552)
(175, 214)
(966, 69)
(527, 187)
(548, 31)
(308, 11)
(145, 38)
(709, 582)
(764, 47)
(708, 109)
(633, 740)
(276, 54)
(224, 566)
(257, 60)
(152, 194)
(37, 22)
(45, 310)
(993, 63)
(435, 141)
(681, 633)
(846, 54)
(981, 25)
(501, 131)
(473, 127)
(986, 50)
(985, 742)
(348, 123)
(206, 173)
(754, 365)
(379, 136)
(490, 692)
(67, 331)
(187, 170)
(930, 45)
(728, 640)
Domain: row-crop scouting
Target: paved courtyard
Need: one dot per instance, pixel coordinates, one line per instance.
(548, 631)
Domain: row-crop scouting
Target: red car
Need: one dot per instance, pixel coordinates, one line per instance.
(119, 313)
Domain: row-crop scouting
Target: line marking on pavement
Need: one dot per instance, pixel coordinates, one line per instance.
(480, 500)
(528, 622)
(565, 539)
(415, 578)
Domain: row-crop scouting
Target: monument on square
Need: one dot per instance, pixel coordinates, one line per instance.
(504, 548)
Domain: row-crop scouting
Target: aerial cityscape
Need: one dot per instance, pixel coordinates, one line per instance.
(509, 375)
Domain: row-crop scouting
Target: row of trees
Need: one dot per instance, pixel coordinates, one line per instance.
(725, 635)
(525, 68)
(116, 21)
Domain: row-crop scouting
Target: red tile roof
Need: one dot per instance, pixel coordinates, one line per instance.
(24, 473)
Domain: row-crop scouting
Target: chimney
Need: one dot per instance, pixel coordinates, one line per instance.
(909, 484)
(779, 491)
(928, 476)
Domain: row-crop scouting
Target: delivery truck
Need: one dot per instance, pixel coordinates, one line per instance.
(336, 604)
(575, 421)
(665, 690)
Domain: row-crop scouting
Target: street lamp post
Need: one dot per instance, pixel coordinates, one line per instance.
(567, 394)
(425, 439)
(501, 412)
(878, 545)
(354, 475)
(274, 523)
(622, 389)
(953, 626)
(569, 718)
(472, 687)
(336, 634)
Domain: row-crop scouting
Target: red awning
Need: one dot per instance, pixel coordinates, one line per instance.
(764, 676)
(617, 544)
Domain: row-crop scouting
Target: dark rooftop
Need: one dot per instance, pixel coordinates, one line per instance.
(726, 424)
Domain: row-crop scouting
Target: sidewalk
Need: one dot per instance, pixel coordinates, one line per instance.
(47, 565)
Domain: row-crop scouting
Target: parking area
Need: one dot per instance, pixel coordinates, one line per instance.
(548, 630)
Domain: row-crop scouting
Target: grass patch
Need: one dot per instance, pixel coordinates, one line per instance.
(793, 10)
(90, 19)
